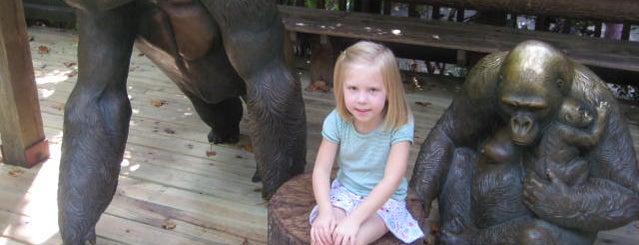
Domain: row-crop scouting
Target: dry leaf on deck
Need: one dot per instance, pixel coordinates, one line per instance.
(422, 103)
(210, 153)
(16, 172)
(59, 107)
(249, 146)
(169, 131)
(158, 103)
(318, 86)
(168, 225)
(435, 227)
(43, 49)
(69, 64)
(72, 73)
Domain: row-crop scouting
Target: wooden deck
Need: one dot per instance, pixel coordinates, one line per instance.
(175, 188)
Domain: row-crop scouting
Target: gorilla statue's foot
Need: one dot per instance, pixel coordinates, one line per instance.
(256, 177)
(227, 138)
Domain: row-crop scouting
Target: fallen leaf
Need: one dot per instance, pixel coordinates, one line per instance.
(435, 227)
(133, 68)
(245, 242)
(16, 172)
(257, 190)
(169, 131)
(43, 49)
(318, 86)
(423, 103)
(72, 73)
(158, 103)
(249, 146)
(168, 225)
(210, 153)
(190, 146)
(69, 64)
(59, 107)
(31, 39)
(141, 54)
(238, 157)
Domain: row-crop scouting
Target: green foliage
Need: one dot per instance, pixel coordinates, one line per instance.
(310, 4)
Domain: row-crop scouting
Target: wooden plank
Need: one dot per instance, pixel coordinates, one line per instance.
(23, 140)
(615, 54)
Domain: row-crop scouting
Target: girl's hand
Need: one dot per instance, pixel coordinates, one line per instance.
(322, 229)
(346, 232)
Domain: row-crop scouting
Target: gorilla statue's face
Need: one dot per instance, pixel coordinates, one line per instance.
(534, 80)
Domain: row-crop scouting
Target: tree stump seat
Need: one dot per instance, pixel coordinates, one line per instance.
(290, 207)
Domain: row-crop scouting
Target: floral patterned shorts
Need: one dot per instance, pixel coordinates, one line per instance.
(394, 213)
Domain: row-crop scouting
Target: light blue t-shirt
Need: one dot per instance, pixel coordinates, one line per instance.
(362, 157)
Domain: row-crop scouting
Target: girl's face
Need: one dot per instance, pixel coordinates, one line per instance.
(364, 96)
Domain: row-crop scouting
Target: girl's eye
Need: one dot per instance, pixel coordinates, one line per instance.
(373, 90)
(352, 88)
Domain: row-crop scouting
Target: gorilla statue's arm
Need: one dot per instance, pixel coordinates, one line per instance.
(96, 121)
(471, 113)
(253, 41)
(599, 204)
(610, 197)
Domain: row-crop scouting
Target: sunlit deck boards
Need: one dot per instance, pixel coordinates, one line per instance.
(168, 179)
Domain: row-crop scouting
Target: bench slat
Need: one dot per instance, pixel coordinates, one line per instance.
(605, 53)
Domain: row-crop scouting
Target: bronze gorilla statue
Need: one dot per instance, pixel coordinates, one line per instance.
(216, 51)
(533, 150)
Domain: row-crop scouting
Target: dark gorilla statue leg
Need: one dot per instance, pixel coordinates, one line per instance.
(273, 96)
(531, 231)
(96, 122)
(455, 200)
(223, 118)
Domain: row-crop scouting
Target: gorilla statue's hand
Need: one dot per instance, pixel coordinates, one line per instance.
(547, 198)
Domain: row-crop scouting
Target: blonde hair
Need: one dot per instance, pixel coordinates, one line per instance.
(397, 110)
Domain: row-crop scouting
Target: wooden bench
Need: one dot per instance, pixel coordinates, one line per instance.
(463, 38)
(290, 207)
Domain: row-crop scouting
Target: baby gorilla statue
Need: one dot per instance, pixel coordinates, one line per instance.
(565, 140)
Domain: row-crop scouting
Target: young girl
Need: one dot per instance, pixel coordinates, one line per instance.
(369, 134)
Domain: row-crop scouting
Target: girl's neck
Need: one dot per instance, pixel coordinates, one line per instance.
(366, 127)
